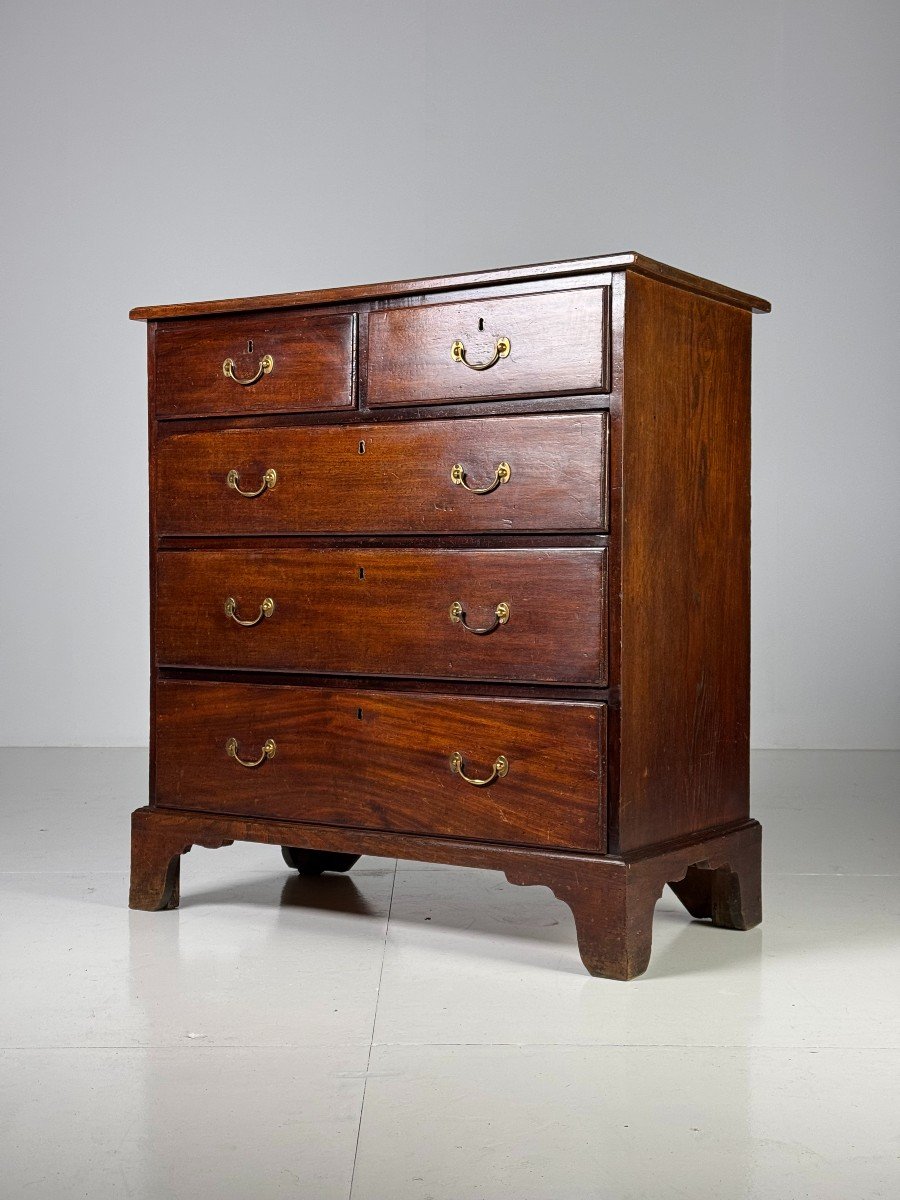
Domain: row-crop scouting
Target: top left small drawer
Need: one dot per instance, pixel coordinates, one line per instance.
(254, 363)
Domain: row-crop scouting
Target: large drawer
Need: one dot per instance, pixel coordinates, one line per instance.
(387, 612)
(531, 473)
(385, 760)
(549, 343)
(279, 362)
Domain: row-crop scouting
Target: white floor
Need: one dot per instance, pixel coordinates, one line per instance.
(419, 1032)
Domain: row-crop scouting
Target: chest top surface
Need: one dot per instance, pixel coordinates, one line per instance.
(534, 273)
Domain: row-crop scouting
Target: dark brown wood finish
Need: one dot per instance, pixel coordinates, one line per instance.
(152, 426)
(387, 612)
(619, 685)
(612, 899)
(685, 675)
(312, 356)
(536, 273)
(381, 760)
(557, 344)
(388, 478)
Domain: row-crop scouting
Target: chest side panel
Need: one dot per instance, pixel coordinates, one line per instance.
(685, 544)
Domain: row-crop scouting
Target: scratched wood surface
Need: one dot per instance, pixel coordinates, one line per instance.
(617, 689)
(381, 760)
(395, 478)
(387, 612)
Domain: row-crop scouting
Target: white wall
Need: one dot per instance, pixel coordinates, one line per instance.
(183, 150)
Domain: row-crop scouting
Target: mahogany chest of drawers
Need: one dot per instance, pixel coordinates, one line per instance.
(457, 569)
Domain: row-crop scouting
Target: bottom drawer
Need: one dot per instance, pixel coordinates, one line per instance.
(385, 760)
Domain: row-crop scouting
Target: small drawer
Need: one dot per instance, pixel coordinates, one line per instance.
(490, 474)
(385, 760)
(526, 615)
(254, 363)
(548, 344)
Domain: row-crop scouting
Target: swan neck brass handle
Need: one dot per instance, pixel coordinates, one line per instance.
(502, 474)
(265, 610)
(269, 480)
(268, 751)
(502, 348)
(499, 770)
(266, 363)
(458, 617)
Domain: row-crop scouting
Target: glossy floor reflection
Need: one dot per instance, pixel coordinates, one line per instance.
(429, 1032)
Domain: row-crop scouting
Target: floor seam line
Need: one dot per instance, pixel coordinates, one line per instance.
(362, 1103)
(814, 1047)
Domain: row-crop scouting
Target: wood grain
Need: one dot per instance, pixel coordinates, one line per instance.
(386, 612)
(558, 345)
(619, 688)
(685, 681)
(388, 478)
(382, 760)
(612, 899)
(538, 273)
(313, 364)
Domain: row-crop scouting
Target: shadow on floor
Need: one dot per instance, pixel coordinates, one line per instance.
(539, 937)
(327, 893)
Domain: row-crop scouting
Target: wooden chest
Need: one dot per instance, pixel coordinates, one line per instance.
(457, 569)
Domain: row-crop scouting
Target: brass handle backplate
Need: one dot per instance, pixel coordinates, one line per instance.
(268, 751)
(458, 617)
(501, 350)
(502, 474)
(266, 363)
(265, 610)
(269, 480)
(500, 768)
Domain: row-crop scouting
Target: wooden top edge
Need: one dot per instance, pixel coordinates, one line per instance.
(443, 283)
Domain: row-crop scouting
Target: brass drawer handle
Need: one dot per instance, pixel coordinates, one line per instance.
(501, 475)
(501, 350)
(500, 768)
(268, 751)
(265, 610)
(269, 480)
(266, 363)
(458, 617)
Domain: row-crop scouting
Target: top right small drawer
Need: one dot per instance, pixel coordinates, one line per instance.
(543, 344)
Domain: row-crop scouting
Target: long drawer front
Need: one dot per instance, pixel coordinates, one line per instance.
(472, 475)
(516, 615)
(386, 760)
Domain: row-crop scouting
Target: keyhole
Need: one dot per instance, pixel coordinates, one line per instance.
(359, 714)
(250, 347)
(481, 324)
(362, 447)
(362, 573)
